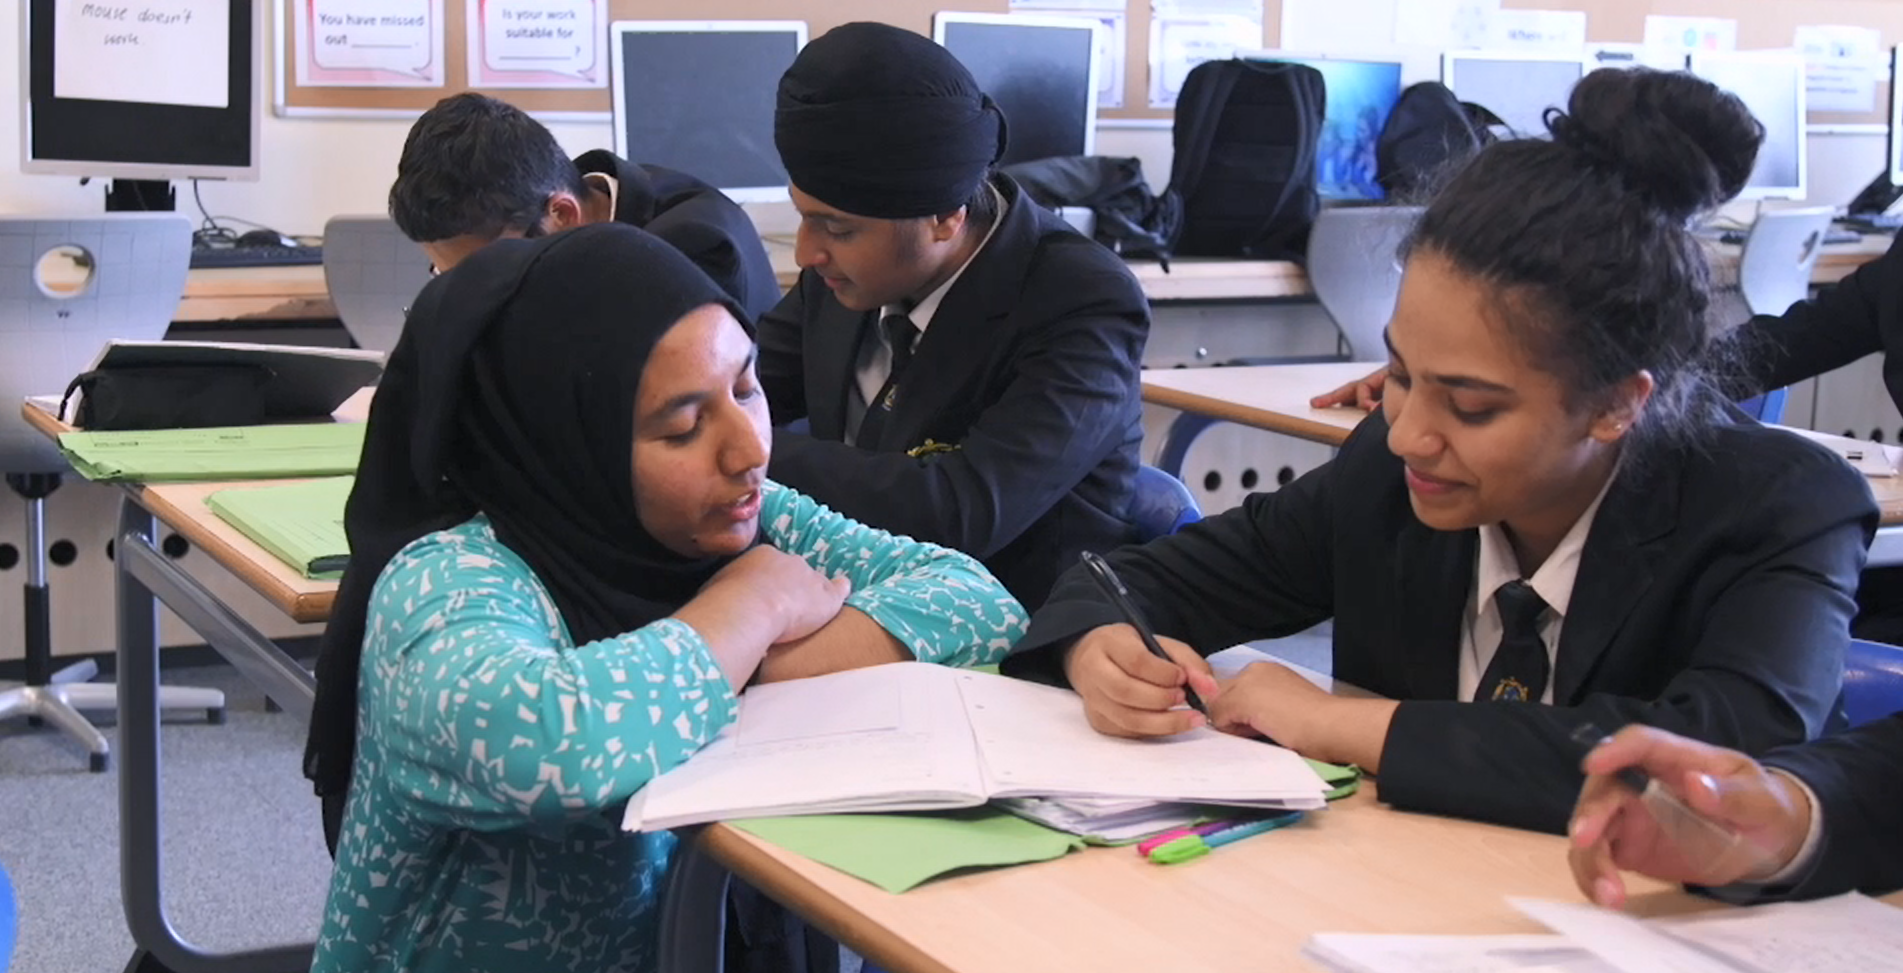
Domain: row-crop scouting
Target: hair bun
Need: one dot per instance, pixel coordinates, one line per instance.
(1678, 141)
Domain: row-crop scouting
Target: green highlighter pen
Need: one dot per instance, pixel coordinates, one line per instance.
(1195, 846)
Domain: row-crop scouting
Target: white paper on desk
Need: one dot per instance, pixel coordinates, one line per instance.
(1870, 459)
(774, 715)
(1033, 741)
(1628, 944)
(1354, 953)
(1848, 932)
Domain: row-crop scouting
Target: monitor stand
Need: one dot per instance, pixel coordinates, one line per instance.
(140, 196)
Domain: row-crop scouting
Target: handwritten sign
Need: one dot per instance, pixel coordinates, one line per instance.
(538, 43)
(370, 43)
(160, 52)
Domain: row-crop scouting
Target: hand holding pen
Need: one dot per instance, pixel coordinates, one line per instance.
(1681, 811)
(1132, 681)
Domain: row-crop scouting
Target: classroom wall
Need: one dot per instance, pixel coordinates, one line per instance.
(313, 169)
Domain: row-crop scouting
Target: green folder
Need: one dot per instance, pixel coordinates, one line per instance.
(897, 852)
(301, 523)
(224, 453)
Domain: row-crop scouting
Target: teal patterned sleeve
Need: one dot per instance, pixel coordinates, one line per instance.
(489, 718)
(941, 605)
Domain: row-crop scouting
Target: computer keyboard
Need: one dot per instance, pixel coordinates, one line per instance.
(224, 257)
(1833, 236)
(1875, 222)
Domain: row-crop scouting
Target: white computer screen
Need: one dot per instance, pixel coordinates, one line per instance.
(1042, 71)
(1772, 86)
(1896, 117)
(1518, 89)
(698, 96)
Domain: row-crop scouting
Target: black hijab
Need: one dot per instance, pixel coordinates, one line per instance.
(881, 122)
(511, 393)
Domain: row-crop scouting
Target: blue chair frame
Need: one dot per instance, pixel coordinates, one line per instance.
(1161, 505)
(1873, 681)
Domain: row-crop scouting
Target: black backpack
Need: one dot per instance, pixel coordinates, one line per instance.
(1246, 136)
(1131, 219)
(1429, 133)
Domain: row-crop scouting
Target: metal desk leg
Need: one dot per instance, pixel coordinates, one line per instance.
(159, 949)
(1176, 442)
(693, 910)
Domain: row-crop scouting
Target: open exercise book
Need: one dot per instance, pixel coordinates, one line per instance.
(1840, 935)
(919, 737)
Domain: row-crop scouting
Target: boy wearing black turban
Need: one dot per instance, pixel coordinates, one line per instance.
(968, 363)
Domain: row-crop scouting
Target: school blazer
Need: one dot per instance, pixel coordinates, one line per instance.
(698, 220)
(1858, 779)
(1014, 436)
(1713, 600)
(1861, 315)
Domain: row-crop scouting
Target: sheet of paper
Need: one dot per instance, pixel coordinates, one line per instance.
(926, 762)
(1849, 932)
(1843, 67)
(1035, 742)
(158, 52)
(781, 712)
(1336, 28)
(301, 523)
(1445, 24)
(223, 453)
(1606, 55)
(1870, 459)
(898, 852)
(1688, 34)
(537, 43)
(1540, 31)
(1185, 33)
(369, 43)
(1629, 944)
(1453, 954)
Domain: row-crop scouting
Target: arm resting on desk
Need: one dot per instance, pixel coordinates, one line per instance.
(488, 720)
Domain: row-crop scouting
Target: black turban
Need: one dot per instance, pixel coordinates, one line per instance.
(880, 122)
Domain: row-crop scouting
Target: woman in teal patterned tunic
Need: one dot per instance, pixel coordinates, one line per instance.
(570, 447)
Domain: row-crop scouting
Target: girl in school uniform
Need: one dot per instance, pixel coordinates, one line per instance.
(574, 565)
(1552, 521)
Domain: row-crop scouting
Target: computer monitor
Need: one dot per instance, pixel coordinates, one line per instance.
(111, 91)
(1517, 87)
(1042, 71)
(1771, 84)
(1896, 116)
(1361, 94)
(698, 96)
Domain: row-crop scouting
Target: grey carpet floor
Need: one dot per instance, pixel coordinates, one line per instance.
(244, 861)
(244, 853)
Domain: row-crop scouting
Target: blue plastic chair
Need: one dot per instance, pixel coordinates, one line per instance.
(1767, 408)
(1873, 681)
(9, 921)
(1162, 504)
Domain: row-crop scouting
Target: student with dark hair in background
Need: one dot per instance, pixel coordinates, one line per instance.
(967, 362)
(1554, 520)
(475, 169)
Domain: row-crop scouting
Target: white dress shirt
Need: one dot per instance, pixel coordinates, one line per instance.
(1494, 566)
(875, 356)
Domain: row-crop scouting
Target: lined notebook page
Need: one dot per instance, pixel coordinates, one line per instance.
(1034, 741)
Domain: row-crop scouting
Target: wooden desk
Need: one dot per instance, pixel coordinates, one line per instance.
(255, 294)
(1357, 867)
(1275, 398)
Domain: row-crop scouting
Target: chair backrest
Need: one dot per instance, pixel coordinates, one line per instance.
(1873, 681)
(1354, 267)
(1768, 407)
(67, 286)
(9, 920)
(373, 272)
(1783, 245)
(1162, 504)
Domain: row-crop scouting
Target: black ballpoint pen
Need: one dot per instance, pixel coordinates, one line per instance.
(1113, 589)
